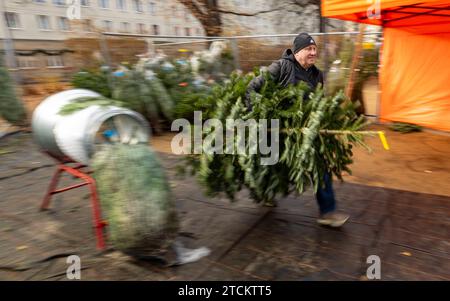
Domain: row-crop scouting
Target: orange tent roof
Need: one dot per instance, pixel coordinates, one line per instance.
(415, 65)
(412, 14)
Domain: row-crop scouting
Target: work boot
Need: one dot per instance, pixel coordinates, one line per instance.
(333, 219)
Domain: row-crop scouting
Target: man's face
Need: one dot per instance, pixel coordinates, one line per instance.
(307, 56)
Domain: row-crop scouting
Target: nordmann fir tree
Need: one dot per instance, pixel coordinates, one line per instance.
(316, 137)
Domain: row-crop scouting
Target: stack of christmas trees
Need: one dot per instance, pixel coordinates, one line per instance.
(164, 91)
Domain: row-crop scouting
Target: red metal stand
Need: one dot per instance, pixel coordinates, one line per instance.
(87, 180)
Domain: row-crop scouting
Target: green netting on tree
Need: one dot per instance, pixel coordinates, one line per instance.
(316, 137)
(136, 197)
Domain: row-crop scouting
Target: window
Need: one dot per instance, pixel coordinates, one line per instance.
(177, 30)
(155, 30)
(103, 3)
(137, 5)
(186, 16)
(107, 25)
(55, 61)
(27, 62)
(84, 2)
(12, 20)
(39, 1)
(59, 2)
(140, 28)
(198, 31)
(125, 27)
(43, 22)
(152, 8)
(187, 31)
(63, 23)
(120, 4)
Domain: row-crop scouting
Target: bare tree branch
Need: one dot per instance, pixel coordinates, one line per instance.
(206, 12)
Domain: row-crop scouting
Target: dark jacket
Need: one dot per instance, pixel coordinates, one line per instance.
(286, 71)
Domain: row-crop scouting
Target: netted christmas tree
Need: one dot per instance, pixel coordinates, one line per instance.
(147, 96)
(134, 90)
(136, 197)
(176, 77)
(183, 87)
(160, 91)
(11, 108)
(94, 80)
(219, 68)
(316, 137)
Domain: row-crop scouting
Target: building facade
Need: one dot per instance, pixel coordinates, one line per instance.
(257, 17)
(39, 29)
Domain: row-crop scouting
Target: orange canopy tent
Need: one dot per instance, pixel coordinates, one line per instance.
(415, 60)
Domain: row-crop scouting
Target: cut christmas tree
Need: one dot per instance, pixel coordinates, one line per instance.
(11, 109)
(95, 80)
(315, 134)
(146, 96)
(133, 91)
(136, 197)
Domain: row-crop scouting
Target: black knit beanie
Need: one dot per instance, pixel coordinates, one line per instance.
(301, 41)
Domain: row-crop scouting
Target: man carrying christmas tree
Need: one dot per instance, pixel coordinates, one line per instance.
(294, 66)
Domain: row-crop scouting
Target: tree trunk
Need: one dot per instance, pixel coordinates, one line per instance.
(207, 13)
(212, 29)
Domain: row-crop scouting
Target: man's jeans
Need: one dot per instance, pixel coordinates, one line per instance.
(325, 196)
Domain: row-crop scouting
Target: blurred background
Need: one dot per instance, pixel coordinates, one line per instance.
(43, 49)
(160, 58)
